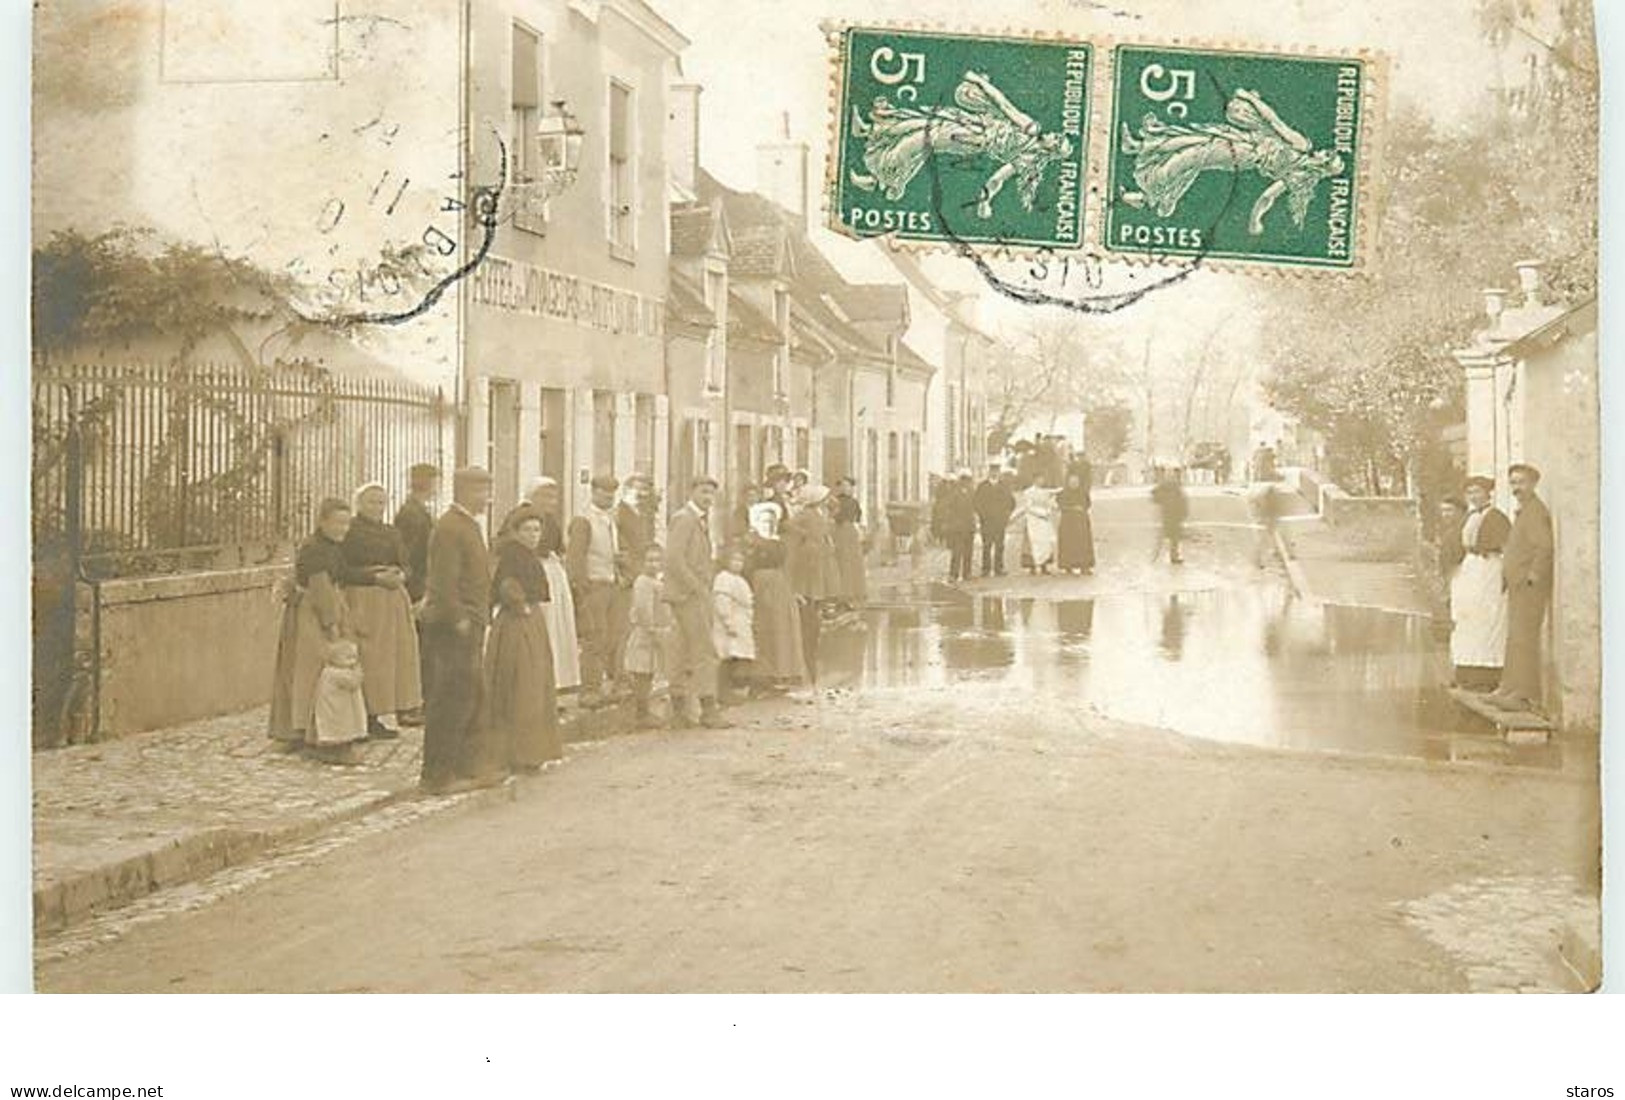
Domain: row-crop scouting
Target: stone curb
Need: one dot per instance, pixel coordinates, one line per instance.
(195, 856)
(1294, 570)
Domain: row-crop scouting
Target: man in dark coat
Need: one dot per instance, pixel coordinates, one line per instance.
(456, 608)
(415, 522)
(690, 570)
(956, 520)
(1172, 507)
(994, 501)
(1527, 569)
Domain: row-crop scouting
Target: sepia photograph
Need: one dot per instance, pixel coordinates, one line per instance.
(673, 496)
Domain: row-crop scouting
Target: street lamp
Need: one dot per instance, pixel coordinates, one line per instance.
(559, 138)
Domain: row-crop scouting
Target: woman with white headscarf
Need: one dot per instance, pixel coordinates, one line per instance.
(374, 581)
(776, 627)
(560, 611)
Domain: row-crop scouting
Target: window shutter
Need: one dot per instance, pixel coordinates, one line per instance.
(526, 68)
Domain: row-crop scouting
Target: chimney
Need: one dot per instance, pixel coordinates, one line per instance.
(1529, 281)
(781, 172)
(683, 136)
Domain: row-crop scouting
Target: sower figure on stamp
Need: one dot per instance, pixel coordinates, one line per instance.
(1478, 601)
(1526, 564)
(690, 560)
(593, 561)
(415, 522)
(456, 607)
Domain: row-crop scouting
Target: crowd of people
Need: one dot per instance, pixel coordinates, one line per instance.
(1499, 572)
(1042, 527)
(421, 621)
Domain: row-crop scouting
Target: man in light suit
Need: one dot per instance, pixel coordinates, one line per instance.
(690, 569)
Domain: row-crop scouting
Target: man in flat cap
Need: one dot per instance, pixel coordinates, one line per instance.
(415, 522)
(1526, 565)
(592, 557)
(1478, 602)
(456, 608)
(690, 572)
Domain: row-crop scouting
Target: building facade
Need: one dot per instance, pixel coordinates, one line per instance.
(1532, 397)
(293, 143)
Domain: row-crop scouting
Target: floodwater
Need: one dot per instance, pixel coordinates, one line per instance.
(1247, 666)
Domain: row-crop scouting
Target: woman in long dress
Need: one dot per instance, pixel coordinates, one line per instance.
(521, 704)
(780, 661)
(314, 613)
(560, 610)
(853, 589)
(375, 588)
(1478, 603)
(1076, 535)
(1039, 514)
(810, 563)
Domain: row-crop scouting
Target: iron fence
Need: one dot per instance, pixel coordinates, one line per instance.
(149, 468)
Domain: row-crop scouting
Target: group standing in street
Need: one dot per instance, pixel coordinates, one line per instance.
(424, 622)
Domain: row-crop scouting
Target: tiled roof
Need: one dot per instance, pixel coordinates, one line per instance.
(746, 320)
(758, 250)
(759, 228)
(686, 301)
(691, 230)
(874, 301)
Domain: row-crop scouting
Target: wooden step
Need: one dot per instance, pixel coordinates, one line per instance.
(1517, 727)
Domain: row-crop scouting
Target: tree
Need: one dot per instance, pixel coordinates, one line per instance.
(1367, 363)
(1057, 367)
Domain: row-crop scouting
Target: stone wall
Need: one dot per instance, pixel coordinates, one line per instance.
(176, 649)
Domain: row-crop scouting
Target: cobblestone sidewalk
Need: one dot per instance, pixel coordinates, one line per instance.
(117, 820)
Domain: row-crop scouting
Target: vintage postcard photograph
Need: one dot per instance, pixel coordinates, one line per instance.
(820, 496)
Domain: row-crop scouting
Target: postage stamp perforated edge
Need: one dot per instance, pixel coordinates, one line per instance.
(835, 34)
(1101, 110)
(1366, 169)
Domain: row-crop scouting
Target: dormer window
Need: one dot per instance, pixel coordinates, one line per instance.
(781, 321)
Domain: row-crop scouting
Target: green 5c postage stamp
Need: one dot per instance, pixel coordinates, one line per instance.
(961, 138)
(1240, 156)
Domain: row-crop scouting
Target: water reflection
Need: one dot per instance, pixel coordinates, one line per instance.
(1250, 666)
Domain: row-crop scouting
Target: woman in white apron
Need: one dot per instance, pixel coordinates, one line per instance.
(559, 612)
(1478, 604)
(1039, 515)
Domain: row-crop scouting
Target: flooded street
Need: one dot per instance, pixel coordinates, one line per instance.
(1249, 665)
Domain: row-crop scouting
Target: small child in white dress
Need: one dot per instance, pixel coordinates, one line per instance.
(341, 712)
(732, 624)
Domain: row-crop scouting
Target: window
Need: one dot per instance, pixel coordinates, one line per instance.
(552, 439)
(603, 432)
(803, 449)
(912, 475)
(523, 156)
(894, 468)
(781, 320)
(622, 145)
(503, 445)
(871, 470)
(891, 371)
(744, 469)
(954, 449)
(702, 446)
(716, 294)
(643, 453)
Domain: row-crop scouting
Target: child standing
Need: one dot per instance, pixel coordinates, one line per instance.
(733, 624)
(341, 711)
(649, 637)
